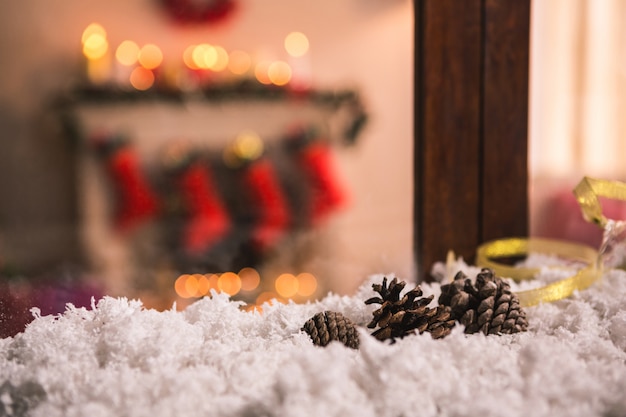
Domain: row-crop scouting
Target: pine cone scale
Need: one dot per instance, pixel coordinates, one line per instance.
(398, 316)
(488, 305)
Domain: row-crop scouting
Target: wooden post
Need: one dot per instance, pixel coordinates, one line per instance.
(471, 126)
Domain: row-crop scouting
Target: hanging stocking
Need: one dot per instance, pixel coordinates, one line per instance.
(273, 216)
(327, 193)
(208, 218)
(136, 201)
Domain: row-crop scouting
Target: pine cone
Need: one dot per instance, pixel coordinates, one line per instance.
(488, 306)
(327, 326)
(400, 317)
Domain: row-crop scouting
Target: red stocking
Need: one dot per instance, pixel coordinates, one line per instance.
(273, 211)
(136, 201)
(327, 193)
(209, 221)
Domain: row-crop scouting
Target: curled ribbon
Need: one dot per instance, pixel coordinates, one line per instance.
(587, 193)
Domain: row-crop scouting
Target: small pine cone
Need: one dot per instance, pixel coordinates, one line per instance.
(327, 326)
(398, 317)
(488, 306)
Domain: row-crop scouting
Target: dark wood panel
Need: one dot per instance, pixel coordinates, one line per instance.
(471, 110)
(448, 66)
(505, 119)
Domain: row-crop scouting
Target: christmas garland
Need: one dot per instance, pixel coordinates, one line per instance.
(198, 11)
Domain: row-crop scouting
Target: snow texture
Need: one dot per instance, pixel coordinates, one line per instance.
(213, 359)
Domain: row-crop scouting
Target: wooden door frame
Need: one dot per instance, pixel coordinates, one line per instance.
(470, 126)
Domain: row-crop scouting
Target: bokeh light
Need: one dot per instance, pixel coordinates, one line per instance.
(268, 297)
(95, 46)
(286, 285)
(127, 53)
(239, 62)
(296, 44)
(191, 285)
(261, 72)
(221, 61)
(307, 284)
(150, 56)
(203, 286)
(180, 287)
(213, 281)
(248, 145)
(204, 56)
(141, 78)
(93, 29)
(250, 279)
(279, 73)
(229, 282)
(188, 58)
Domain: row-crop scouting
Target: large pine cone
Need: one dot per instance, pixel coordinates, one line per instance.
(488, 306)
(327, 326)
(397, 317)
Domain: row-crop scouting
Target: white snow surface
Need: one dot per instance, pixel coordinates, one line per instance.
(213, 359)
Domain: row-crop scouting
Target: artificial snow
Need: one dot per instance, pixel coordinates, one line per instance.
(214, 359)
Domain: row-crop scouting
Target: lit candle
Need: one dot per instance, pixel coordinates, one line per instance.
(96, 50)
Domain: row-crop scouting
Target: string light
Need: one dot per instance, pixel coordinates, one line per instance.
(261, 72)
(141, 78)
(279, 73)
(93, 29)
(296, 44)
(150, 56)
(229, 282)
(286, 285)
(127, 53)
(250, 279)
(307, 284)
(239, 62)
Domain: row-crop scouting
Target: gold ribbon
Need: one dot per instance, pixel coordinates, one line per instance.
(518, 247)
(587, 193)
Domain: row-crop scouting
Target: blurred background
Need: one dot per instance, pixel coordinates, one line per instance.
(158, 149)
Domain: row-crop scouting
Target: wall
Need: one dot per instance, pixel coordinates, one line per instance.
(360, 44)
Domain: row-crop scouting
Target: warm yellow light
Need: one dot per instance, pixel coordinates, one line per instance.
(279, 73)
(248, 145)
(191, 286)
(188, 58)
(180, 287)
(221, 59)
(239, 62)
(141, 78)
(127, 53)
(93, 29)
(204, 56)
(261, 72)
(197, 55)
(150, 56)
(213, 281)
(268, 297)
(296, 44)
(250, 279)
(307, 284)
(286, 285)
(203, 285)
(95, 46)
(229, 282)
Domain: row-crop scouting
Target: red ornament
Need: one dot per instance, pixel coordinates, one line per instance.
(198, 11)
(273, 215)
(208, 218)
